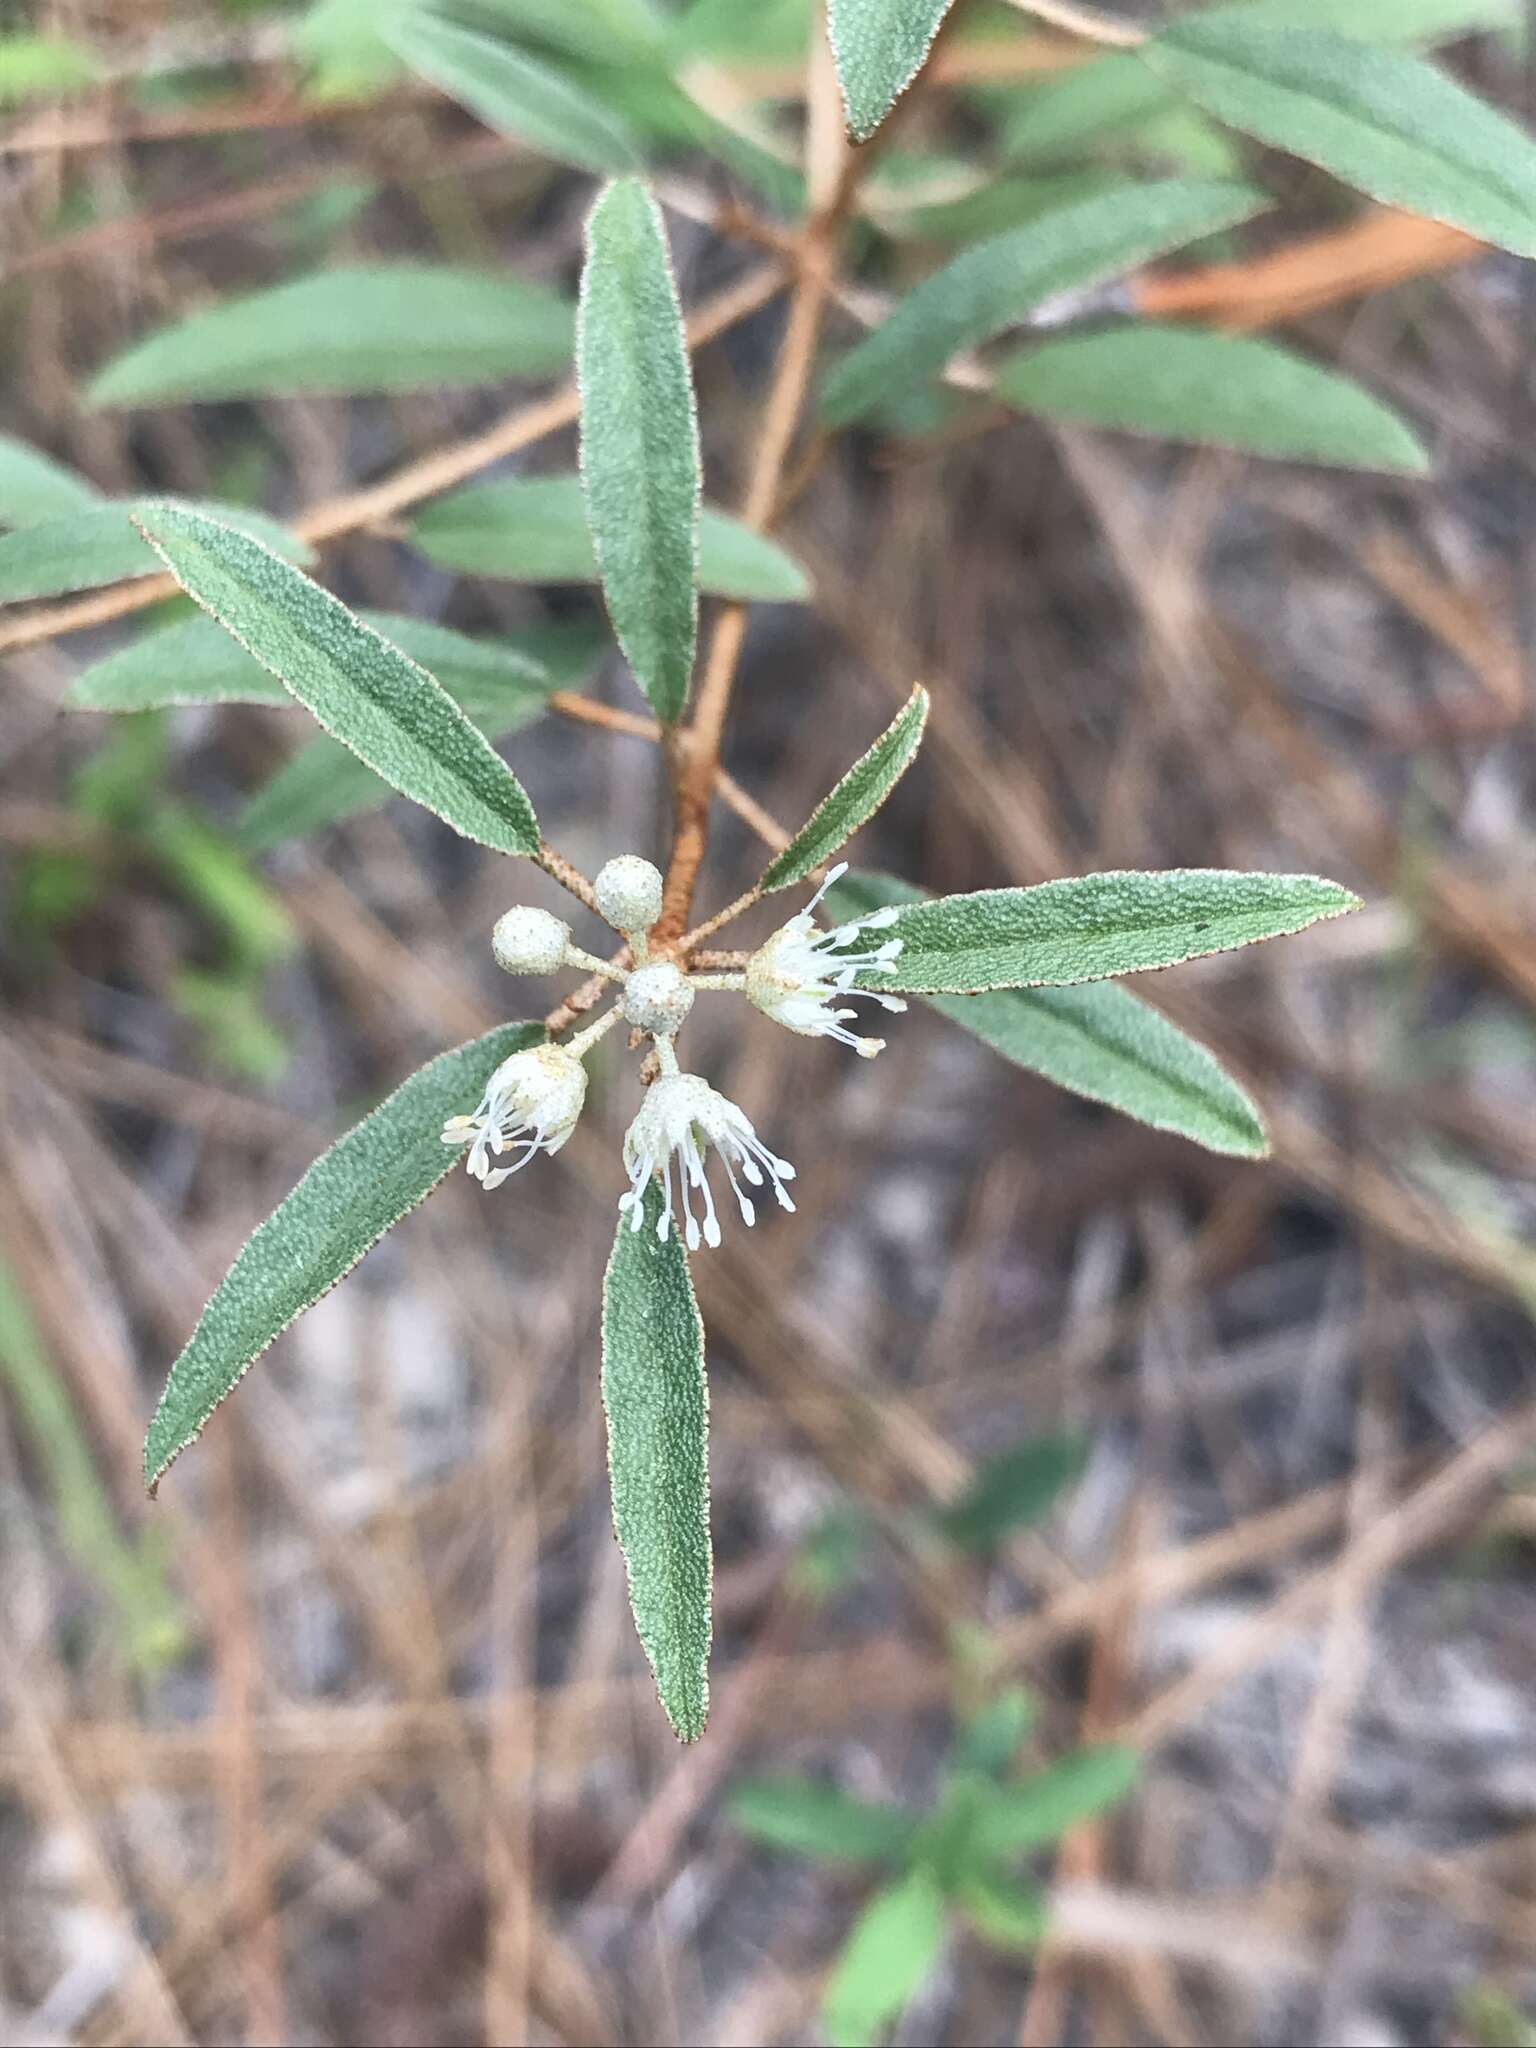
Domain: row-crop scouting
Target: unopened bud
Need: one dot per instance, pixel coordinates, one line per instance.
(528, 941)
(628, 891)
(656, 999)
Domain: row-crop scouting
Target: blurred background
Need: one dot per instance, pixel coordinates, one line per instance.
(349, 1737)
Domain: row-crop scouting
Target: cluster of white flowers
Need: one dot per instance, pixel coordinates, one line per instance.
(803, 977)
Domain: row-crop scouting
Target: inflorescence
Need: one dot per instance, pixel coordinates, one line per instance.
(804, 978)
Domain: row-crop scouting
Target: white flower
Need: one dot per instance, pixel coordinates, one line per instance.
(798, 976)
(681, 1117)
(533, 1100)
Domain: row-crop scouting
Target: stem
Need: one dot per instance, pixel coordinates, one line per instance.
(666, 1055)
(557, 866)
(576, 957)
(1086, 22)
(584, 1041)
(731, 912)
(694, 749)
(720, 982)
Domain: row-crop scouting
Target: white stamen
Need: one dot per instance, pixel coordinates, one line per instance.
(796, 976)
(680, 1119)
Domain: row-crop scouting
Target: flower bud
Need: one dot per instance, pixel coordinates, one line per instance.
(528, 941)
(628, 891)
(656, 999)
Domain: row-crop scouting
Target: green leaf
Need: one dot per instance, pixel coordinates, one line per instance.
(533, 529)
(1019, 1817)
(194, 661)
(33, 487)
(325, 785)
(657, 1403)
(368, 1180)
(809, 1819)
(1070, 109)
(1092, 926)
(1000, 281)
(1229, 390)
(105, 544)
(42, 67)
(1012, 1491)
(364, 691)
(640, 465)
(1098, 1040)
(82, 1505)
(878, 47)
(1380, 119)
(894, 1944)
(342, 52)
(512, 92)
(990, 1740)
(369, 327)
(856, 798)
(1010, 1916)
(627, 32)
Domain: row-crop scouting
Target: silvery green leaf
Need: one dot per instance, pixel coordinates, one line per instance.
(363, 690)
(33, 487)
(363, 327)
(104, 543)
(367, 1181)
(512, 92)
(1227, 390)
(1093, 926)
(195, 661)
(1381, 119)
(856, 798)
(533, 529)
(998, 282)
(640, 464)
(657, 1404)
(1098, 1040)
(878, 47)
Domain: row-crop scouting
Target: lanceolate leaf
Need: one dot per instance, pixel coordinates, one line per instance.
(878, 47)
(1098, 1040)
(657, 1404)
(1018, 1817)
(1229, 390)
(640, 442)
(340, 1209)
(373, 327)
(998, 282)
(33, 487)
(194, 661)
(1381, 119)
(105, 543)
(1096, 925)
(856, 798)
(810, 1819)
(884, 1960)
(513, 92)
(363, 690)
(534, 530)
